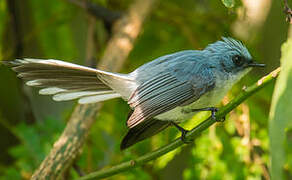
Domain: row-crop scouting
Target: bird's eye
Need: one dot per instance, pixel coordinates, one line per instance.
(238, 60)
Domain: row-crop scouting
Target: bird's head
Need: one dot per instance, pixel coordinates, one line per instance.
(231, 56)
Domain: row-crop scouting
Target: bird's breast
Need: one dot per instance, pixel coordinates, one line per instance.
(209, 99)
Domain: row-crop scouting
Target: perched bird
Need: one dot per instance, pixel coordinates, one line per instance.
(161, 93)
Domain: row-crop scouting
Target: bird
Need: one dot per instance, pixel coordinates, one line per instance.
(161, 93)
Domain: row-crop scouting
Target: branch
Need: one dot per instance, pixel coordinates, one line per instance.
(195, 132)
(69, 145)
(287, 11)
(78, 170)
(108, 16)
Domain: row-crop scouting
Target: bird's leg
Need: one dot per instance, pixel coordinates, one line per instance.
(213, 113)
(183, 133)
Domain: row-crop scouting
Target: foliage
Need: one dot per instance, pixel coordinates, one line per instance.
(30, 123)
(228, 3)
(280, 120)
(35, 143)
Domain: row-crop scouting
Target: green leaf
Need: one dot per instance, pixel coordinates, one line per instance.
(228, 3)
(280, 114)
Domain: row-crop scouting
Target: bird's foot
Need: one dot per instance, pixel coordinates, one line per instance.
(183, 134)
(213, 110)
(213, 115)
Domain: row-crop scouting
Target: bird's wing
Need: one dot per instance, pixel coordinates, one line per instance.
(181, 84)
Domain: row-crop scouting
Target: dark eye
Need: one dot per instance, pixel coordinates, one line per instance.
(238, 60)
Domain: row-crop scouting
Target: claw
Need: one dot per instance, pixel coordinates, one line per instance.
(213, 113)
(183, 134)
(184, 138)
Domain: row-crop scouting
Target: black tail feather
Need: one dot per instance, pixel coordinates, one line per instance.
(142, 131)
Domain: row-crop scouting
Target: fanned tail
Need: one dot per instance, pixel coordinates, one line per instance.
(67, 81)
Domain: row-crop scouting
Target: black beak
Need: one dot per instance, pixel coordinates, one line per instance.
(254, 64)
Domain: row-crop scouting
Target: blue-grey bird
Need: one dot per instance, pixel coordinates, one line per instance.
(163, 92)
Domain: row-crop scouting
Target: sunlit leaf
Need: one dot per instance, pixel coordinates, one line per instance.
(228, 3)
(280, 114)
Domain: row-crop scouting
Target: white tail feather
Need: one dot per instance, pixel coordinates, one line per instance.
(51, 91)
(59, 63)
(33, 83)
(98, 98)
(75, 95)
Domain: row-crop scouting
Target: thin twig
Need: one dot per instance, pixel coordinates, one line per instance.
(98, 11)
(90, 59)
(288, 12)
(195, 132)
(78, 169)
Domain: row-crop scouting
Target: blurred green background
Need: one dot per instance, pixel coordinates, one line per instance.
(58, 29)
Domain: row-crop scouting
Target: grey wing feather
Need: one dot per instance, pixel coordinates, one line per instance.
(180, 85)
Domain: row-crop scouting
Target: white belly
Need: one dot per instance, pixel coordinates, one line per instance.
(179, 114)
(210, 99)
